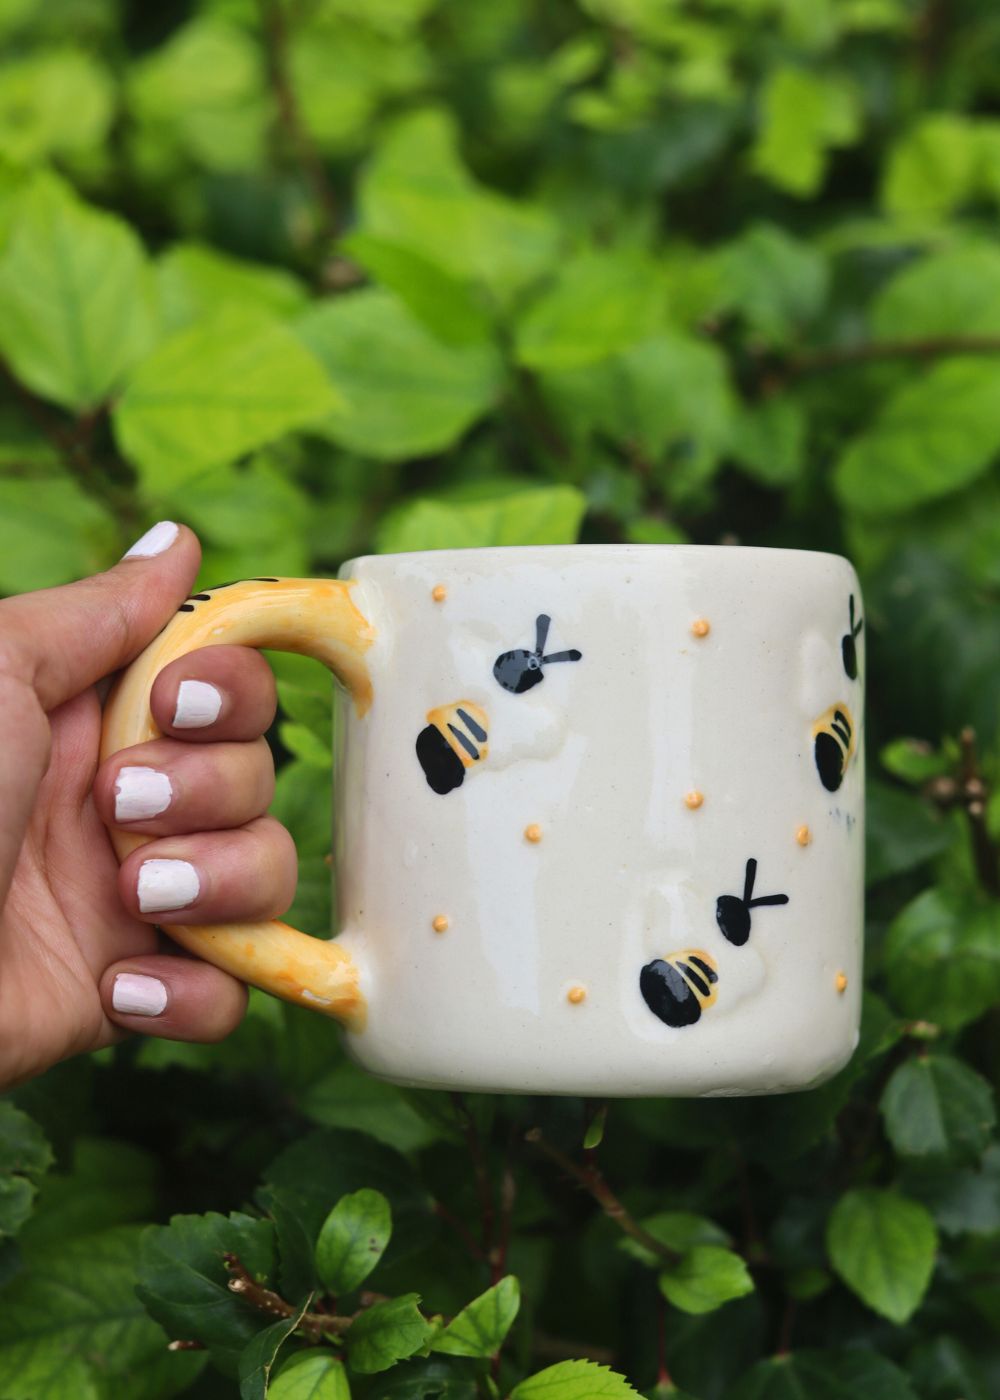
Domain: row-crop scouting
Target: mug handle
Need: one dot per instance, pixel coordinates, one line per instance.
(315, 617)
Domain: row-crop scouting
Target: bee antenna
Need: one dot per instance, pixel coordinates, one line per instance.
(850, 603)
(767, 899)
(542, 625)
(573, 655)
(751, 875)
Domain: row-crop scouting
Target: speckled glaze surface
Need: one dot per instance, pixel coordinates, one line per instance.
(619, 852)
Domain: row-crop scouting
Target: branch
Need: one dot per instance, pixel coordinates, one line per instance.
(314, 1325)
(592, 1181)
(484, 1186)
(968, 789)
(835, 357)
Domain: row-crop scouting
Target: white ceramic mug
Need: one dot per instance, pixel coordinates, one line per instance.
(599, 813)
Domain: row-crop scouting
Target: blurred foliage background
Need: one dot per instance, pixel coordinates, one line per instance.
(322, 278)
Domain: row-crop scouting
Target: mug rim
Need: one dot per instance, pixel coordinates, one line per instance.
(538, 552)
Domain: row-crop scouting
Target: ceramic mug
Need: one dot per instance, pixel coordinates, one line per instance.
(599, 813)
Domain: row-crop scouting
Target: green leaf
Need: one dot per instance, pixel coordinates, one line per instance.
(768, 441)
(416, 193)
(76, 297)
(936, 1106)
(914, 760)
(803, 116)
(109, 1183)
(942, 957)
(311, 1375)
(882, 1246)
(348, 1097)
(599, 303)
(353, 1240)
(943, 1367)
(183, 1279)
(51, 532)
(594, 1135)
(212, 392)
(71, 1327)
(405, 393)
(441, 302)
(932, 437)
(705, 1278)
(962, 1201)
(956, 292)
(574, 1380)
(847, 1374)
(251, 519)
(778, 283)
(480, 1328)
(679, 1230)
(932, 169)
(25, 1156)
(260, 1353)
(429, 1379)
(303, 744)
(197, 281)
(533, 515)
(902, 831)
(386, 1333)
(57, 101)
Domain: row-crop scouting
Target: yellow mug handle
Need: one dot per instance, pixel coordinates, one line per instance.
(316, 617)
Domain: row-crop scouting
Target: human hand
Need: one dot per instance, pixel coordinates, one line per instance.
(81, 962)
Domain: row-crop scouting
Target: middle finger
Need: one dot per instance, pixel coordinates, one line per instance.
(166, 788)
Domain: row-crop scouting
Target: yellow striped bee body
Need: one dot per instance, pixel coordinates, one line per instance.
(454, 741)
(833, 745)
(679, 987)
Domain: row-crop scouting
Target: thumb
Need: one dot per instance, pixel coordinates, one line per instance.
(62, 640)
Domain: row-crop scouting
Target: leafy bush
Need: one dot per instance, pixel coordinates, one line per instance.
(321, 278)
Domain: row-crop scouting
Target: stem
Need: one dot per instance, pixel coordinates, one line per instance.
(474, 1248)
(785, 1333)
(835, 357)
(975, 793)
(591, 1180)
(314, 1325)
(484, 1187)
(663, 1377)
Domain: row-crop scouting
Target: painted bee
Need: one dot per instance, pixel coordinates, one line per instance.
(455, 739)
(848, 645)
(833, 745)
(518, 671)
(680, 986)
(732, 913)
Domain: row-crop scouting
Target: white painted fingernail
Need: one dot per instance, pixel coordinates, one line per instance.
(141, 793)
(138, 996)
(198, 704)
(167, 884)
(160, 537)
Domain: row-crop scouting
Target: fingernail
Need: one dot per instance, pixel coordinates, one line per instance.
(141, 793)
(138, 996)
(198, 704)
(160, 537)
(167, 884)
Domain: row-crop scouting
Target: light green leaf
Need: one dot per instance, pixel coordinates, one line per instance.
(386, 1333)
(936, 1106)
(882, 1246)
(251, 518)
(942, 958)
(72, 1328)
(534, 515)
(679, 1230)
(931, 438)
(196, 281)
(778, 283)
(261, 1352)
(353, 1240)
(705, 1278)
(417, 193)
(53, 102)
(932, 169)
(599, 303)
(914, 761)
(405, 393)
(215, 391)
(852, 1373)
(804, 114)
(956, 292)
(480, 1328)
(183, 1280)
(440, 301)
(768, 441)
(311, 1375)
(51, 533)
(574, 1380)
(76, 296)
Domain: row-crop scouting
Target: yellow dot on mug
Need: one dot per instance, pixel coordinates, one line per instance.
(575, 995)
(693, 799)
(533, 833)
(440, 923)
(701, 627)
(803, 836)
(439, 593)
(840, 982)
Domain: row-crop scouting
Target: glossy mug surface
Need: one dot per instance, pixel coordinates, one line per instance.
(599, 814)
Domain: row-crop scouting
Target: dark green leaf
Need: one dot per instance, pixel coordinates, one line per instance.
(936, 1106)
(943, 1368)
(481, 1326)
(883, 1245)
(902, 831)
(25, 1156)
(386, 1333)
(348, 1097)
(109, 1183)
(353, 1240)
(259, 1355)
(848, 1374)
(942, 957)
